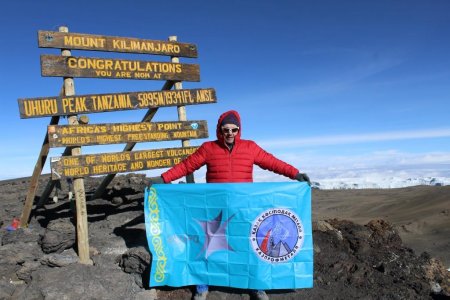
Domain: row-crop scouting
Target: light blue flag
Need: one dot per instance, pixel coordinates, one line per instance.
(242, 235)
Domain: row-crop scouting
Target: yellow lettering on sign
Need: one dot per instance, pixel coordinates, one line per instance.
(163, 99)
(82, 41)
(76, 172)
(108, 64)
(131, 127)
(204, 96)
(76, 140)
(102, 169)
(123, 74)
(72, 62)
(70, 161)
(87, 129)
(158, 67)
(137, 137)
(137, 165)
(116, 44)
(103, 73)
(111, 102)
(118, 65)
(143, 46)
(116, 157)
(67, 130)
(141, 75)
(169, 126)
(147, 155)
(40, 107)
(185, 134)
(180, 152)
(68, 105)
(187, 96)
(109, 139)
(160, 163)
(90, 159)
(89, 63)
(80, 104)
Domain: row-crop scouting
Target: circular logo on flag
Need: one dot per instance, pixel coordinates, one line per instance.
(277, 235)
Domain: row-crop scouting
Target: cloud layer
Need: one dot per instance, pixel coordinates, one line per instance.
(357, 138)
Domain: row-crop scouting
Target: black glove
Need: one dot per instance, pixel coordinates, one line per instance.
(154, 180)
(303, 177)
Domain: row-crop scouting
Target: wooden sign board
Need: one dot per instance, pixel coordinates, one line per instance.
(65, 40)
(59, 106)
(117, 133)
(108, 68)
(118, 162)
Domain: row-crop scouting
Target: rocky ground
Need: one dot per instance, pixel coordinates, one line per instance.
(352, 261)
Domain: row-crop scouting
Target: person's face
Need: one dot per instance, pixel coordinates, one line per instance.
(229, 132)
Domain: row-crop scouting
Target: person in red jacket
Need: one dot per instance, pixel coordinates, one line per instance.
(230, 159)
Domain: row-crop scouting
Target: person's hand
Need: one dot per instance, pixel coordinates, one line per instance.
(303, 177)
(154, 180)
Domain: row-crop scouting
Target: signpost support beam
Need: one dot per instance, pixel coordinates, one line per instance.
(181, 109)
(26, 211)
(78, 183)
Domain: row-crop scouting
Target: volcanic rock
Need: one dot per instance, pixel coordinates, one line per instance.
(364, 260)
(67, 257)
(60, 235)
(136, 261)
(80, 282)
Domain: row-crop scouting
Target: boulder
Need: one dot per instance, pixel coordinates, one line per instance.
(135, 260)
(59, 235)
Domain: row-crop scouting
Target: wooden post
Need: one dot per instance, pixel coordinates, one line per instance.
(181, 109)
(26, 211)
(78, 183)
(129, 146)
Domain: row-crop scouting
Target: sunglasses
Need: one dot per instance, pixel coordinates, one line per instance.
(227, 130)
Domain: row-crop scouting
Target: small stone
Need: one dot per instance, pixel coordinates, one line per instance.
(435, 287)
(24, 273)
(117, 200)
(66, 258)
(93, 251)
(316, 248)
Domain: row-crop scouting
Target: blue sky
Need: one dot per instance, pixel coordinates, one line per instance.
(339, 89)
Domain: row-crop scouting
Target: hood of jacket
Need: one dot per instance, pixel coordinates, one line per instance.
(219, 134)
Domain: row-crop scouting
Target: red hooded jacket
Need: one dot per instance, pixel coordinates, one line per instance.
(223, 165)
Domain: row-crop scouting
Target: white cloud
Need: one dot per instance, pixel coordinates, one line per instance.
(369, 166)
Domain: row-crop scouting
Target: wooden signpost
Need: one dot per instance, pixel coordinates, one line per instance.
(91, 67)
(95, 103)
(74, 135)
(55, 39)
(118, 162)
(117, 133)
